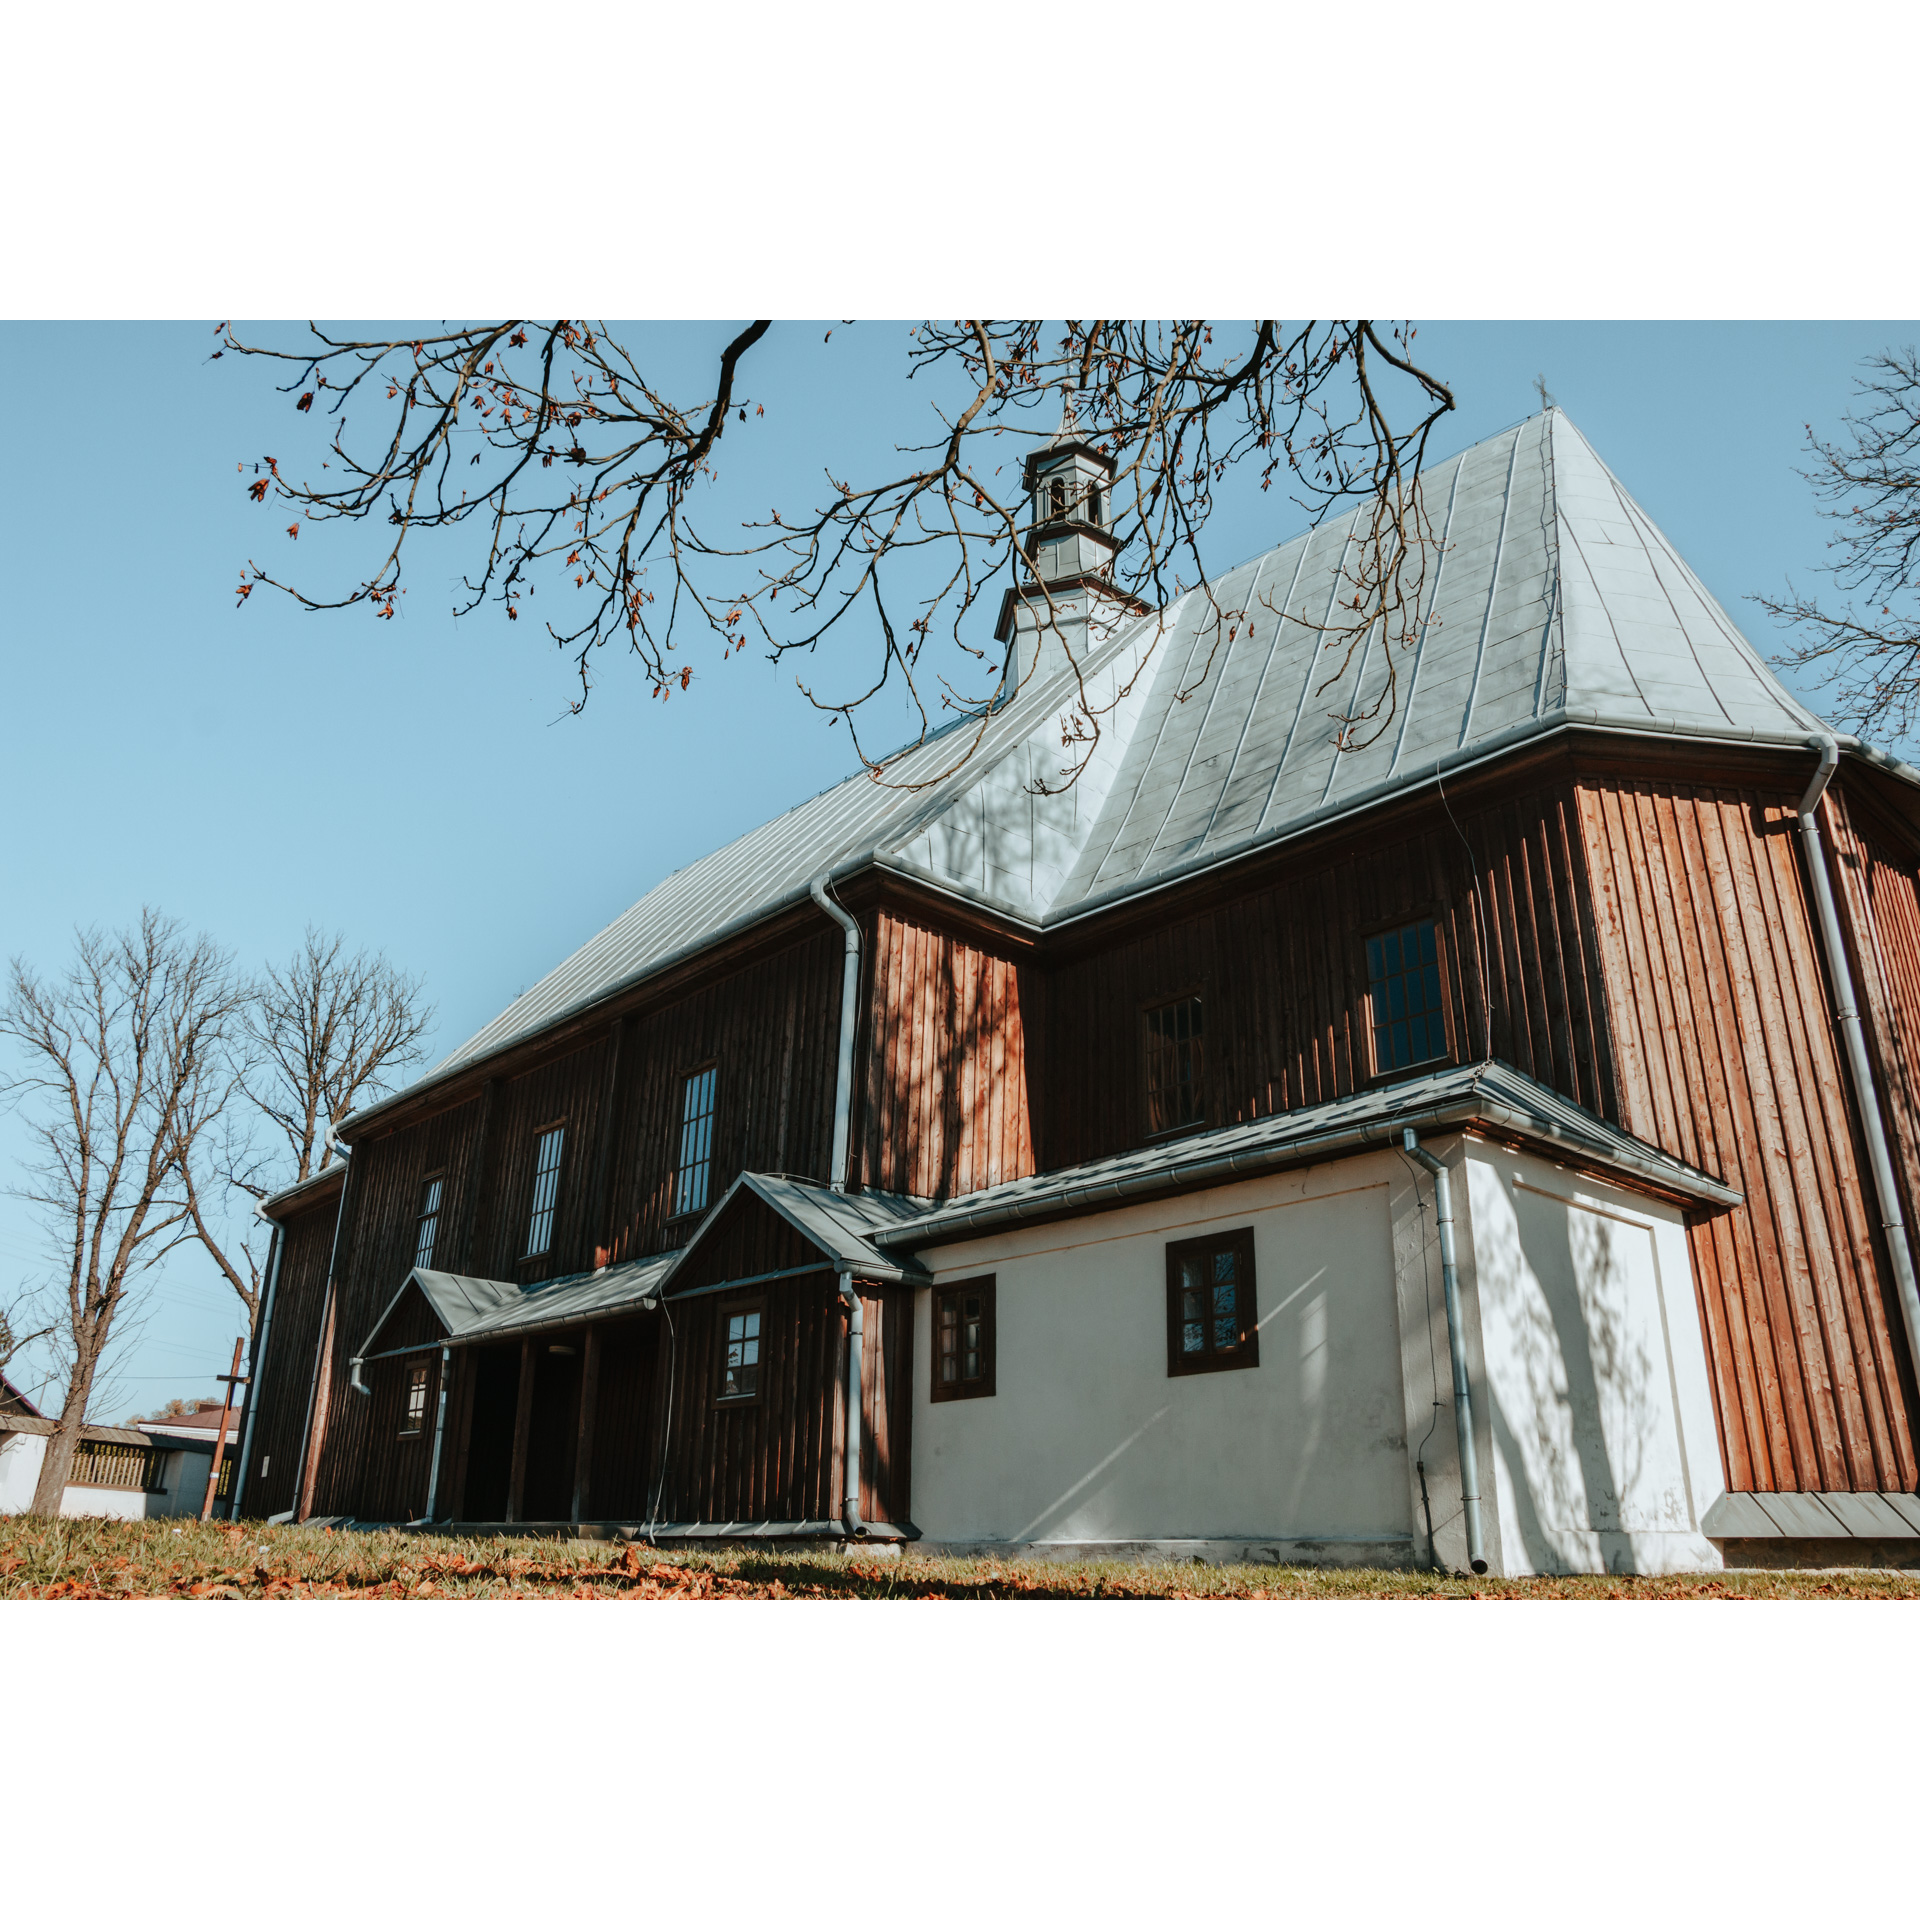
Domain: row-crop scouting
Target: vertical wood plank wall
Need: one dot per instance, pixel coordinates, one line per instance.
(1281, 966)
(1727, 1057)
(944, 1106)
(286, 1367)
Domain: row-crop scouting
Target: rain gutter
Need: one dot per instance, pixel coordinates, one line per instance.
(1846, 1010)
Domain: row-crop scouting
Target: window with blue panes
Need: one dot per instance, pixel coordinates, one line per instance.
(1403, 992)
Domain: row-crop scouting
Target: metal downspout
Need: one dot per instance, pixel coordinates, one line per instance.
(439, 1430)
(326, 1312)
(856, 1376)
(849, 1007)
(249, 1407)
(1456, 1348)
(1860, 1069)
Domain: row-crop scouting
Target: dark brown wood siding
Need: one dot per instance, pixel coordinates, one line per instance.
(770, 1030)
(1280, 962)
(1724, 1035)
(395, 1466)
(286, 1366)
(944, 1106)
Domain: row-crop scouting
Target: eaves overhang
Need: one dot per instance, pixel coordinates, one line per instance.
(1489, 1097)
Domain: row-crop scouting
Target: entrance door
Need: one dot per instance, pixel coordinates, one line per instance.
(554, 1429)
(496, 1394)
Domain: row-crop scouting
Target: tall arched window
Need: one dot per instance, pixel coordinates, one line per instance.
(1056, 499)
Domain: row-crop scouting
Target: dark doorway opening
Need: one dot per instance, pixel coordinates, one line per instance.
(496, 1393)
(553, 1431)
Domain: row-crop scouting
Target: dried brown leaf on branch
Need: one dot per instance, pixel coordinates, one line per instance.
(591, 458)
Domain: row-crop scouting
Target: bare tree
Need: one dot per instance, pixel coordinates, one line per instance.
(321, 1033)
(124, 1065)
(576, 469)
(1868, 650)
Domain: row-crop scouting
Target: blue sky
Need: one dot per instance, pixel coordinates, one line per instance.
(417, 783)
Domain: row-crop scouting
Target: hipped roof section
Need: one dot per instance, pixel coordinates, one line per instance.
(1549, 600)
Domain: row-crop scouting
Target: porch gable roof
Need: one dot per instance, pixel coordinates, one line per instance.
(843, 1226)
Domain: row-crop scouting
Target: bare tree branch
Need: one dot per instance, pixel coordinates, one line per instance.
(1868, 654)
(578, 471)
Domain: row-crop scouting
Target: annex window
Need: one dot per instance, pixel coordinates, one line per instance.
(696, 1142)
(1212, 1312)
(963, 1340)
(430, 1193)
(1403, 990)
(546, 1189)
(415, 1418)
(1176, 1054)
(740, 1357)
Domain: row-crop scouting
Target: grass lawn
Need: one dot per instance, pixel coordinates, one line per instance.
(180, 1559)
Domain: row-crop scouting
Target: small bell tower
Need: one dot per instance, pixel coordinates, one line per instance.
(1070, 547)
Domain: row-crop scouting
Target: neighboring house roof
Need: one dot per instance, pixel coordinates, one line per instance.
(204, 1425)
(12, 1400)
(35, 1423)
(1490, 1093)
(1550, 600)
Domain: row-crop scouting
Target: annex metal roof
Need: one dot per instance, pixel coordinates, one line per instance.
(469, 1308)
(1550, 600)
(844, 1226)
(1490, 1093)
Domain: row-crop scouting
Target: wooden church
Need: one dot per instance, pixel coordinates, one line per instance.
(1496, 1146)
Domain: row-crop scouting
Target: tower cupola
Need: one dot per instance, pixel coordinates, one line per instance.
(1049, 614)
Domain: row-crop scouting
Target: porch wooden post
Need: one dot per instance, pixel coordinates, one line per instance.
(465, 1366)
(583, 1442)
(522, 1430)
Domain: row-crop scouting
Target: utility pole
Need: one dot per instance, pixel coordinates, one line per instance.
(220, 1445)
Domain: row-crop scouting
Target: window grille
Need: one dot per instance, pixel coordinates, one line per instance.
(429, 1223)
(963, 1361)
(740, 1368)
(696, 1142)
(1212, 1313)
(546, 1189)
(1403, 987)
(416, 1415)
(1175, 1057)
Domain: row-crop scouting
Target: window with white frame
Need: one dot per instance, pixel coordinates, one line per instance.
(546, 1189)
(740, 1358)
(695, 1164)
(415, 1418)
(429, 1222)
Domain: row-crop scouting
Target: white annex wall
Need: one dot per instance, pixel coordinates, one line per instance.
(1601, 1422)
(1087, 1440)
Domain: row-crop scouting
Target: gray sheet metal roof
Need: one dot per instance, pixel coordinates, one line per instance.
(471, 1309)
(1552, 600)
(841, 1225)
(304, 1189)
(1490, 1092)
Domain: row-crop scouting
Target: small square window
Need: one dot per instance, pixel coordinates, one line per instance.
(429, 1222)
(1213, 1319)
(695, 1164)
(547, 1149)
(1176, 1061)
(1403, 993)
(963, 1340)
(740, 1350)
(415, 1420)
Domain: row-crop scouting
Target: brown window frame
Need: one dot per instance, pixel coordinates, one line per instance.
(984, 1388)
(425, 1371)
(1246, 1350)
(723, 1311)
(1423, 917)
(1200, 1118)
